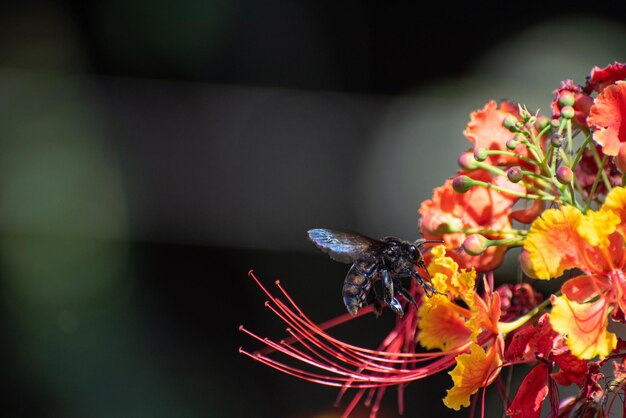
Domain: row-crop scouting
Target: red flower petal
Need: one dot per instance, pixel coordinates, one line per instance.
(582, 288)
(530, 395)
(485, 130)
(608, 117)
(582, 102)
(573, 369)
(600, 78)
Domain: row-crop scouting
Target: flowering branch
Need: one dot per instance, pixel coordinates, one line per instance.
(549, 184)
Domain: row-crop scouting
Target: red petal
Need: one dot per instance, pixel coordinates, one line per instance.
(531, 393)
(573, 369)
(601, 78)
(580, 289)
(608, 117)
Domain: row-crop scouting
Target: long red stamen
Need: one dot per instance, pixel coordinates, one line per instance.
(333, 362)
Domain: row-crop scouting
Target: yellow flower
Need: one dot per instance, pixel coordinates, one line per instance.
(587, 333)
(474, 370)
(444, 325)
(594, 242)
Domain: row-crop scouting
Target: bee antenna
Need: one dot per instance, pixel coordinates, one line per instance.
(421, 242)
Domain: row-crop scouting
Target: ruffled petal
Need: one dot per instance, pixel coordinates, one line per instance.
(616, 203)
(548, 256)
(485, 129)
(585, 326)
(596, 227)
(441, 326)
(608, 117)
(600, 78)
(473, 371)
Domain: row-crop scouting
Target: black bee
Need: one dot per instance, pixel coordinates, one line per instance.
(387, 260)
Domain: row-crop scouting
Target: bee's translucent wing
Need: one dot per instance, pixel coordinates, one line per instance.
(343, 246)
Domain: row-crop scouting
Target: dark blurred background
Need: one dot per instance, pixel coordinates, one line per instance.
(152, 152)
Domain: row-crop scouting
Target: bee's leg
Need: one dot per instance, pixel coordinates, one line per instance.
(426, 285)
(388, 294)
(406, 295)
(428, 288)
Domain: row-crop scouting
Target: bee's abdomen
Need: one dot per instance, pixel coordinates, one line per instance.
(356, 287)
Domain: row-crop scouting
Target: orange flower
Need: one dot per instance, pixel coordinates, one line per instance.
(449, 212)
(608, 118)
(485, 130)
(595, 245)
(443, 323)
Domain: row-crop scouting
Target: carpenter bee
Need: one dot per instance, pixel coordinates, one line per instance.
(387, 260)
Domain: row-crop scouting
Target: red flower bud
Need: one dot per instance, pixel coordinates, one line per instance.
(511, 144)
(567, 98)
(475, 244)
(568, 112)
(510, 123)
(542, 122)
(467, 161)
(462, 184)
(480, 154)
(556, 140)
(564, 174)
(514, 174)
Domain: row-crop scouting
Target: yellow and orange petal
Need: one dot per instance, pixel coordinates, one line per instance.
(448, 279)
(595, 227)
(442, 326)
(585, 326)
(616, 203)
(548, 255)
(474, 370)
(608, 117)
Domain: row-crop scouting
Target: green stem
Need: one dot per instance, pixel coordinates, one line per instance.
(605, 179)
(506, 327)
(494, 231)
(569, 137)
(511, 192)
(581, 151)
(512, 154)
(596, 182)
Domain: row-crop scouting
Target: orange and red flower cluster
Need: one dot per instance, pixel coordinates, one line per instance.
(549, 185)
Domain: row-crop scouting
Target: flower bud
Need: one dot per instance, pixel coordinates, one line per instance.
(620, 159)
(475, 244)
(446, 228)
(511, 144)
(510, 123)
(555, 123)
(514, 174)
(568, 112)
(564, 174)
(467, 161)
(527, 265)
(556, 140)
(480, 154)
(567, 99)
(462, 184)
(524, 113)
(542, 122)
